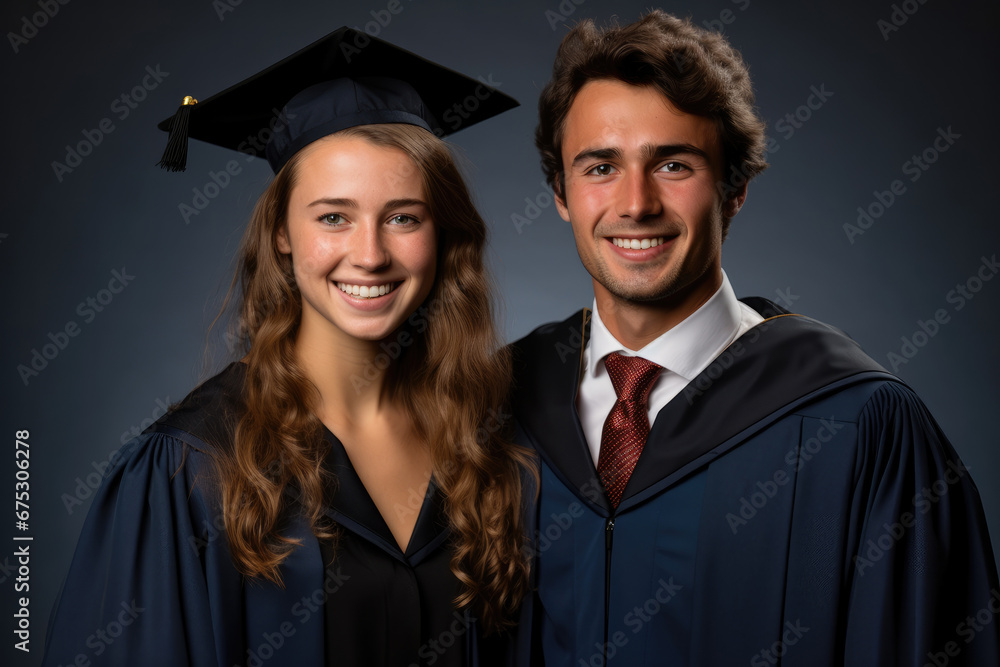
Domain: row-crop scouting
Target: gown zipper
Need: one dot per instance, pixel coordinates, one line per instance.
(609, 533)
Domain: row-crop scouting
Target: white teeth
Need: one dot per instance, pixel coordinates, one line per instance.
(364, 291)
(637, 244)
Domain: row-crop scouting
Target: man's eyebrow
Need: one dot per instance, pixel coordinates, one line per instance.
(597, 154)
(651, 152)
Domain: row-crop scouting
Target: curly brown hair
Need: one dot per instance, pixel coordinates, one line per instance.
(696, 69)
(451, 381)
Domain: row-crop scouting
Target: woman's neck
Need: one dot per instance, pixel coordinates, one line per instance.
(348, 372)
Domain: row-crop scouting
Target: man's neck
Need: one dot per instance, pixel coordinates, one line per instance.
(635, 324)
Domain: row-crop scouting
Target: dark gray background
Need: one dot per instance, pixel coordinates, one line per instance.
(61, 240)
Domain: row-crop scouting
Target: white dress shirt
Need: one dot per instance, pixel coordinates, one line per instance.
(684, 351)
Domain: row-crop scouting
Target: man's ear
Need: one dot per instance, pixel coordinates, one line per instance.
(558, 194)
(281, 239)
(734, 202)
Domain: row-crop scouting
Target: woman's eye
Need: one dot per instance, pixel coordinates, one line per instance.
(332, 218)
(602, 170)
(402, 219)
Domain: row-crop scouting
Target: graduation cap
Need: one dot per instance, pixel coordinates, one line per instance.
(345, 79)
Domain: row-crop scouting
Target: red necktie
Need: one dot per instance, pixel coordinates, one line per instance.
(627, 426)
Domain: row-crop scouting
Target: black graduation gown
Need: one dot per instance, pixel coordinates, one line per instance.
(152, 581)
(794, 505)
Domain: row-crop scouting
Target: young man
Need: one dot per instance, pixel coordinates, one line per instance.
(722, 482)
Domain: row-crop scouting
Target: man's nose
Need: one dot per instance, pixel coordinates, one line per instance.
(638, 197)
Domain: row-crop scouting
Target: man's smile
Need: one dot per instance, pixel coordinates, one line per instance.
(636, 243)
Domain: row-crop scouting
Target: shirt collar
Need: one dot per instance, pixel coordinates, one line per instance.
(688, 348)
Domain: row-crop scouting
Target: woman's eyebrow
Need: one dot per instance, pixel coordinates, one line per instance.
(330, 201)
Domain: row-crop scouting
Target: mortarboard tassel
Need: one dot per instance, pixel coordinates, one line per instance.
(175, 154)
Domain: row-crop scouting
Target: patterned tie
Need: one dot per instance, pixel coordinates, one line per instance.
(627, 425)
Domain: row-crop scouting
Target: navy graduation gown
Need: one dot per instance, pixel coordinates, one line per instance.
(795, 505)
(152, 581)
(387, 606)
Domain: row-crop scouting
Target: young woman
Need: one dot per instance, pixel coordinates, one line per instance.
(343, 494)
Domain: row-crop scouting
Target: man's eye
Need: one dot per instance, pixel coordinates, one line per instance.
(331, 218)
(602, 170)
(674, 167)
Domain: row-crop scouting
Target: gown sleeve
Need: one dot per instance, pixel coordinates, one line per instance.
(923, 587)
(151, 581)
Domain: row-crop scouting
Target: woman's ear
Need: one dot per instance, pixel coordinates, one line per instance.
(281, 239)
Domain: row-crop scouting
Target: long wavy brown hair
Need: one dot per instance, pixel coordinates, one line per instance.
(452, 381)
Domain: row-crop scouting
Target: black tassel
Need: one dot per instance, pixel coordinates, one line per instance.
(175, 154)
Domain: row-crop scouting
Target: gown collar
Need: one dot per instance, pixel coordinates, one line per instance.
(209, 414)
(351, 506)
(783, 359)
